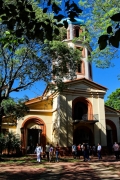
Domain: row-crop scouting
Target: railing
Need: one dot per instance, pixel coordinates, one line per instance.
(87, 117)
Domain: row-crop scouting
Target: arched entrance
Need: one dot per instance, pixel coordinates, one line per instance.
(33, 131)
(83, 134)
(111, 132)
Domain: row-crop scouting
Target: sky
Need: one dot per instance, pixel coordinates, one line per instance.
(108, 77)
(105, 77)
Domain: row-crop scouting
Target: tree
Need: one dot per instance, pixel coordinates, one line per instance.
(113, 34)
(20, 17)
(11, 142)
(2, 144)
(64, 61)
(24, 61)
(114, 100)
(24, 27)
(13, 109)
(97, 15)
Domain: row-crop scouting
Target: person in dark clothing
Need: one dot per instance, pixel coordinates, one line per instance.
(79, 151)
(85, 151)
(116, 148)
(57, 149)
(94, 150)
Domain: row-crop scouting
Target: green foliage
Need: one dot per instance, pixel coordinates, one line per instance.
(113, 36)
(20, 64)
(2, 142)
(64, 60)
(114, 100)
(14, 109)
(98, 23)
(21, 17)
(24, 27)
(10, 141)
(62, 34)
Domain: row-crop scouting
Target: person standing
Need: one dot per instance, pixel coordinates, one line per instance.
(57, 149)
(116, 150)
(74, 150)
(85, 151)
(51, 153)
(88, 152)
(82, 150)
(99, 148)
(47, 150)
(93, 150)
(79, 151)
(38, 151)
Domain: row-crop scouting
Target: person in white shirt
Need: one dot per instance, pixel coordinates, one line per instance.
(38, 151)
(99, 148)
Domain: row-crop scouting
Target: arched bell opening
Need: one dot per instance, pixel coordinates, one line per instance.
(82, 109)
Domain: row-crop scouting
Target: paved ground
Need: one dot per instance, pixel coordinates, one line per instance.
(27, 169)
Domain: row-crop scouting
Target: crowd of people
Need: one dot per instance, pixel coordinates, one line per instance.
(83, 150)
(52, 153)
(86, 151)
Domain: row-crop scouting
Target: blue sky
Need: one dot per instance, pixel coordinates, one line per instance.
(105, 77)
(108, 77)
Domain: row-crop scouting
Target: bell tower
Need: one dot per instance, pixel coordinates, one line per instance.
(84, 67)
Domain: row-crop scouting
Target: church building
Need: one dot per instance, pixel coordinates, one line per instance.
(78, 114)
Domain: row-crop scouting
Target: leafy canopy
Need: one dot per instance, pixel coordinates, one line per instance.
(113, 34)
(64, 61)
(21, 17)
(98, 18)
(14, 109)
(24, 28)
(114, 100)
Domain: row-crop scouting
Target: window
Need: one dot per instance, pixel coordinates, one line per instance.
(76, 32)
(90, 70)
(79, 67)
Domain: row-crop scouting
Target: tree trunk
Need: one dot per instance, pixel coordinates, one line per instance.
(0, 123)
(1, 115)
(0, 126)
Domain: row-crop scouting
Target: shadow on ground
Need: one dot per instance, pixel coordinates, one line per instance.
(28, 169)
